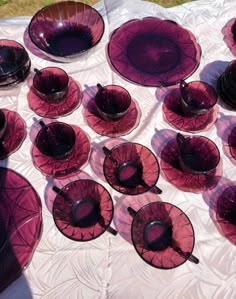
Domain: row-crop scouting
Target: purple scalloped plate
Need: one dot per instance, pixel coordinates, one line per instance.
(83, 189)
(175, 117)
(153, 52)
(15, 134)
(54, 110)
(21, 225)
(229, 32)
(182, 234)
(172, 172)
(68, 167)
(113, 128)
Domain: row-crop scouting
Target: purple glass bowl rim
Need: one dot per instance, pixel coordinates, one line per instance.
(208, 140)
(59, 4)
(26, 57)
(191, 38)
(139, 144)
(175, 207)
(104, 230)
(52, 68)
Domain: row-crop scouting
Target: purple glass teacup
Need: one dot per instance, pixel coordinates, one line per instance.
(51, 84)
(197, 154)
(112, 101)
(197, 97)
(55, 140)
(131, 168)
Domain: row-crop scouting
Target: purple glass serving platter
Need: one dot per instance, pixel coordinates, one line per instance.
(21, 224)
(174, 115)
(172, 172)
(83, 210)
(162, 235)
(112, 128)
(66, 29)
(14, 135)
(54, 110)
(64, 168)
(229, 33)
(153, 52)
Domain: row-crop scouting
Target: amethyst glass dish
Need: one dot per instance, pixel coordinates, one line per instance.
(116, 127)
(14, 63)
(174, 115)
(20, 225)
(229, 32)
(162, 235)
(153, 52)
(64, 168)
(54, 110)
(173, 173)
(131, 168)
(82, 210)
(14, 135)
(65, 30)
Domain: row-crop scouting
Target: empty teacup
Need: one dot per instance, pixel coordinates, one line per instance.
(3, 124)
(197, 97)
(162, 235)
(131, 168)
(51, 84)
(55, 140)
(83, 210)
(112, 101)
(197, 154)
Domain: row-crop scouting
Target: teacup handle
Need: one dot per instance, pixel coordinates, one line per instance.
(180, 139)
(112, 231)
(183, 84)
(108, 153)
(131, 211)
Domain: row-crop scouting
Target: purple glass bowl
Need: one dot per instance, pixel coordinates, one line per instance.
(162, 235)
(153, 52)
(14, 63)
(197, 154)
(66, 29)
(82, 210)
(131, 168)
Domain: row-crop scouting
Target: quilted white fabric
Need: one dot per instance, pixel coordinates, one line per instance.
(109, 266)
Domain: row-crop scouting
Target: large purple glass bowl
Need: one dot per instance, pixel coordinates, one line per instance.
(153, 52)
(66, 29)
(14, 63)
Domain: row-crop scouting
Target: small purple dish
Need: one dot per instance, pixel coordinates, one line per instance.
(65, 30)
(14, 63)
(83, 210)
(162, 235)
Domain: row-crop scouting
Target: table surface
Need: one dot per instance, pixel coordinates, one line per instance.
(109, 266)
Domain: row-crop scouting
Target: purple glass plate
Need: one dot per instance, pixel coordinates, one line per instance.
(175, 117)
(21, 224)
(229, 32)
(154, 52)
(51, 110)
(226, 212)
(182, 235)
(69, 166)
(82, 190)
(112, 128)
(14, 135)
(184, 181)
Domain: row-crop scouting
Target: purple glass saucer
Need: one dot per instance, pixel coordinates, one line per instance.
(14, 135)
(51, 110)
(153, 52)
(162, 235)
(116, 127)
(69, 166)
(87, 201)
(175, 117)
(21, 224)
(229, 32)
(172, 172)
(226, 212)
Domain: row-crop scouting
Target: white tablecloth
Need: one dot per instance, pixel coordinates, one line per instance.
(109, 266)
